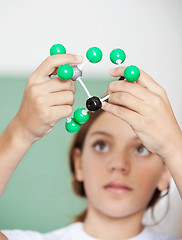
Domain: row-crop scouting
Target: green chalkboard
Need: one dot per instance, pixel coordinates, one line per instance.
(39, 195)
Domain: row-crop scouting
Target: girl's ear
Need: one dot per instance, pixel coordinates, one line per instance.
(164, 181)
(78, 164)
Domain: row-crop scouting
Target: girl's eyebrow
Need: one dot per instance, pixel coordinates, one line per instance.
(102, 133)
(109, 135)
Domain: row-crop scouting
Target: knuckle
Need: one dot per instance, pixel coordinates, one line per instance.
(157, 100)
(136, 126)
(70, 97)
(123, 97)
(68, 110)
(49, 59)
(129, 85)
(45, 115)
(112, 98)
(126, 85)
(150, 110)
(146, 122)
(33, 90)
(162, 91)
(67, 58)
(73, 87)
(39, 100)
(119, 111)
(30, 79)
(71, 57)
(120, 97)
(111, 86)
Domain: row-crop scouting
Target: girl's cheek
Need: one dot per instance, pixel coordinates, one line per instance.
(147, 178)
(94, 166)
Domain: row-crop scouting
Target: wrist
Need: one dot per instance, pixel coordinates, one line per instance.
(18, 135)
(173, 161)
(173, 148)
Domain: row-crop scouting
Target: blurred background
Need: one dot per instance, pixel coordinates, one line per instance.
(39, 195)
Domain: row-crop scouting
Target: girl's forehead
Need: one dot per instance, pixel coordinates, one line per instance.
(113, 125)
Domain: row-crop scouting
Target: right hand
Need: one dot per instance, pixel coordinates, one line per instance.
(46, 100)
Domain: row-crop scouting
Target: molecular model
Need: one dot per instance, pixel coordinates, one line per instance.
(74, 72)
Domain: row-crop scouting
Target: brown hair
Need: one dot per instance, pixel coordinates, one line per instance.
(78, 187)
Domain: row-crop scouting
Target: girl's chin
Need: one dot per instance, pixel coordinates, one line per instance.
(117, 213)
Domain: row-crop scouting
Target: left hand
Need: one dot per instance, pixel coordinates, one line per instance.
(145, 107)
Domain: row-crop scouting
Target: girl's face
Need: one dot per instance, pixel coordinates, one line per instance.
(119, 174)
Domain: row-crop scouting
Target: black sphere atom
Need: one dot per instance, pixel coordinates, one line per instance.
(93, 104)
(121, 78)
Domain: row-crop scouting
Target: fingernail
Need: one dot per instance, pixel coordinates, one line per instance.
(111, 71)
(79, 58)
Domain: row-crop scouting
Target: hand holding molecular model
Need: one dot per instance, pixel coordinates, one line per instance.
(74, 72)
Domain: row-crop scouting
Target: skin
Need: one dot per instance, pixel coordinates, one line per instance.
(44, 102)
(113, 152)
(146, 108)
(47, 100)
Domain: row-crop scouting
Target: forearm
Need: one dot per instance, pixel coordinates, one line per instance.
(13, 146)
(174, 162)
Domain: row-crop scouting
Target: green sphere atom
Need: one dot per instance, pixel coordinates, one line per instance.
(94, 55)
(72, 126)
(65, 72)
(132, 73)
(117, 54)
(57, 49)
(81, 115)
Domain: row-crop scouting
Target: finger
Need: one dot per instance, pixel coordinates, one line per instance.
(144, 80)
(60, 98)
(150, 100)
(131, 117)
(48, 66)
(132, 88)
(117, 72)
(149, 83)
(129, 101)
(59, 112)
(58, 85)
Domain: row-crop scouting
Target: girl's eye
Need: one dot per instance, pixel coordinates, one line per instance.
(101, 146)
(142, 151)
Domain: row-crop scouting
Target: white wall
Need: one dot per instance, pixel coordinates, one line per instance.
(150, 32)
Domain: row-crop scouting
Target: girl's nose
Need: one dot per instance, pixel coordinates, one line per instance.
(120, 163)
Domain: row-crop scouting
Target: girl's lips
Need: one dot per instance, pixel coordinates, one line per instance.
(117, 187)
